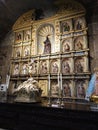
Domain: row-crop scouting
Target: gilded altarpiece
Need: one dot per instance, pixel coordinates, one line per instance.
(54, 51)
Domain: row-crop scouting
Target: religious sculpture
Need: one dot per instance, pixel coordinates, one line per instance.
(92, 90)
(28, 91)
(47, 46)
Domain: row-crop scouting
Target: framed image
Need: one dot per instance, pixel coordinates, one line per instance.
(26, 51)
(15, 69)
(43, 67)
(67, 45)
(67, 88)
(27, 35)
(79, 23)
(79, 43)
(79, 65)
(19, 36)
(66, 26)
(67, 65)
(33, 67)
(43, 84)
(54, 66)
(81, 86)
(54, 88)
(17, 51)
(24, 68)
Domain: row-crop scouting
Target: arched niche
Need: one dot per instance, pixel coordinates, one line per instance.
(45, 39)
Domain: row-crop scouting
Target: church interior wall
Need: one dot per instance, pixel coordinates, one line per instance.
(6, 45)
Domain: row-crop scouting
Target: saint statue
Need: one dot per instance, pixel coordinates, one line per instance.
(92, 90)
(47, 46)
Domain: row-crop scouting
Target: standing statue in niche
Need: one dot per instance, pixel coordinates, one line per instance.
(47, 46)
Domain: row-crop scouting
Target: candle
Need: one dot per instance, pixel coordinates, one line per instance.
(49, 81)
(61, 80)
(58, 80)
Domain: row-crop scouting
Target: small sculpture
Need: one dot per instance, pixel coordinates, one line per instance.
(47, 46)
(92, 90)
(28, 91)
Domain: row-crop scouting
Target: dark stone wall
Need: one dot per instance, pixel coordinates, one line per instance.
(5, 55)
(92, 21)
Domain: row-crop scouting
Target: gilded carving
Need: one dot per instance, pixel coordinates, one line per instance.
(54, 46)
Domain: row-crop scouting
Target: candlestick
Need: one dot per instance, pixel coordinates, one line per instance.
(58, 80)
(49, 102)
(61, 80)
(49, 81)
